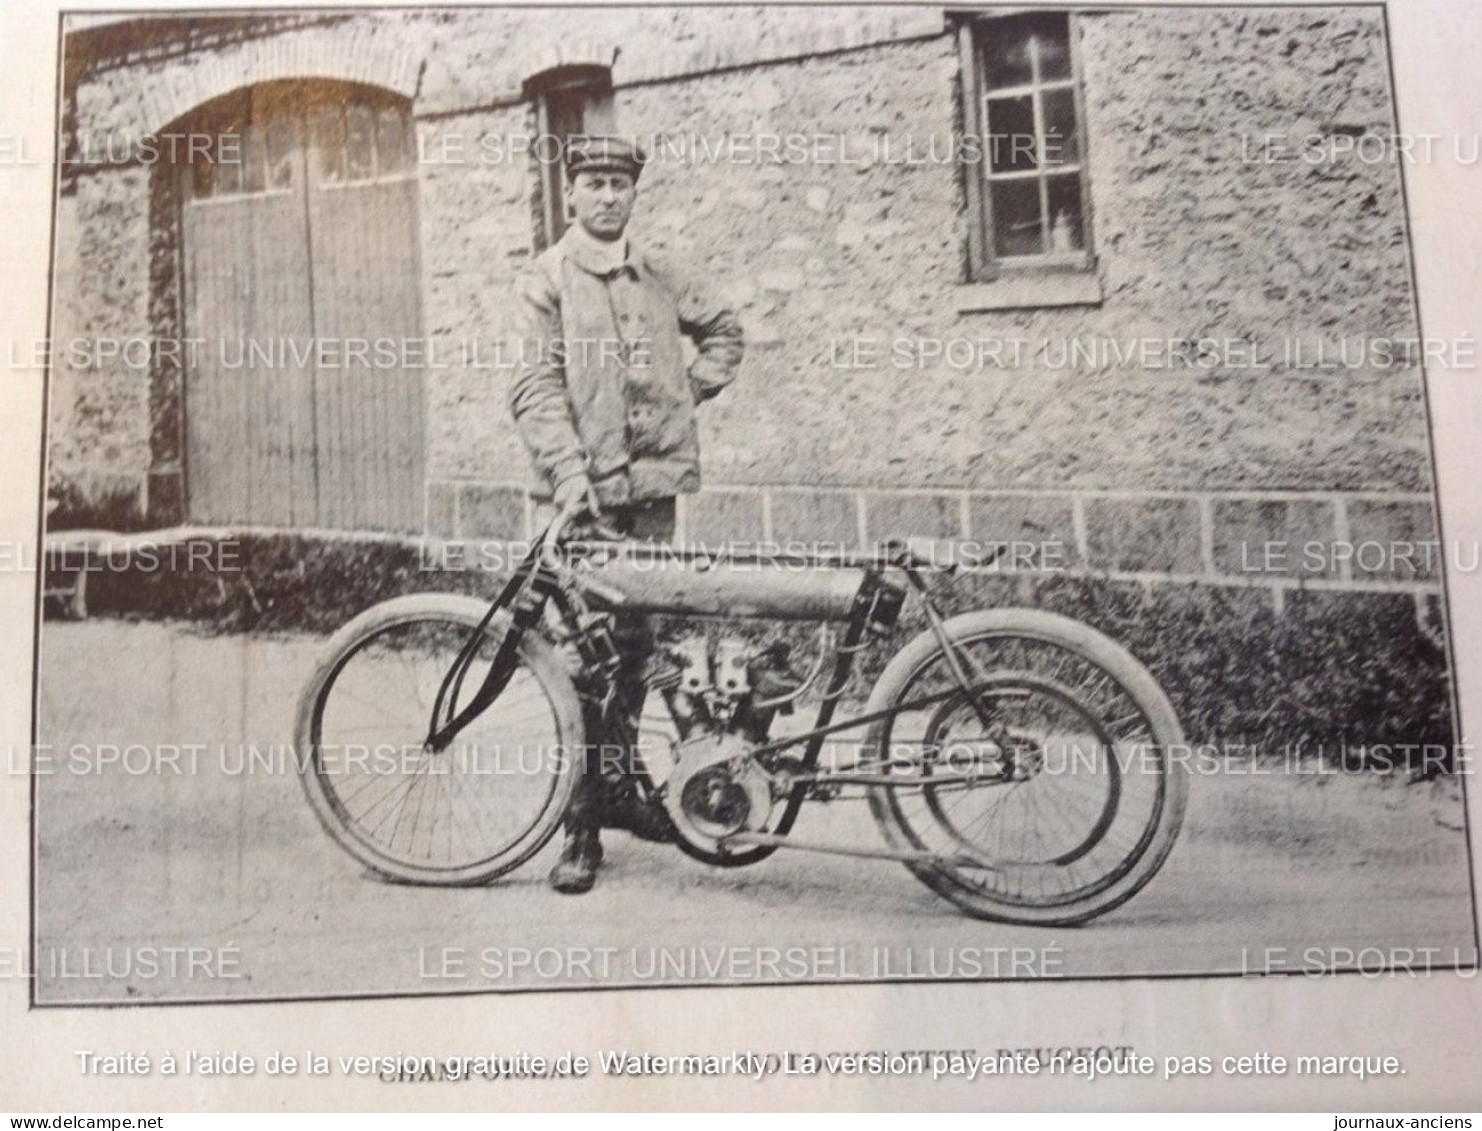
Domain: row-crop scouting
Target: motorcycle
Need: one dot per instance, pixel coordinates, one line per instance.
(1017, 762)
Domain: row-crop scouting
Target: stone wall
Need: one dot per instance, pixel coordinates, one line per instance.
(98, 428)
(1143, 469)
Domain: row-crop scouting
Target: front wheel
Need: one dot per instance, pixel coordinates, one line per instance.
(456, 816)
(1061, 789)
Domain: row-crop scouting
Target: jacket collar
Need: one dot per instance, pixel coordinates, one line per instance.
(595, 256)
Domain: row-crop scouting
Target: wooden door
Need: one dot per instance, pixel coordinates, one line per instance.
(301, 287)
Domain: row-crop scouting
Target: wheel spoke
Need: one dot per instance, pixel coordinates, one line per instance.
(1074, 818)
(464, 808)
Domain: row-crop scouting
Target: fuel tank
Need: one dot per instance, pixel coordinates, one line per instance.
(771, 589)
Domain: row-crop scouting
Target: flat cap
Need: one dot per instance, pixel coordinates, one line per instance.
(590, 153)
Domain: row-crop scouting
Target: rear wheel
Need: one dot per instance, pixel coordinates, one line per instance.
(1060, 806)
(463, 815)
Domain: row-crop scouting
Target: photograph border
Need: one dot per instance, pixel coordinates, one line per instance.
(1464, 767)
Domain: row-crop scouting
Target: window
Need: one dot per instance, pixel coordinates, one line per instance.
(1028, 202)
(267, 139)
(569, 102)
(359, 142)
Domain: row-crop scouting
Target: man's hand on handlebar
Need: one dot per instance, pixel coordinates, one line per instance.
(575, 497)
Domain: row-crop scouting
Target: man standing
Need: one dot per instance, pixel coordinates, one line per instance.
(605, 403)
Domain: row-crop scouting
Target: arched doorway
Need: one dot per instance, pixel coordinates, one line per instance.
(298, 258)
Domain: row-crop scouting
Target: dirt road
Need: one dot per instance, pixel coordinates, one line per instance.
(184, 870)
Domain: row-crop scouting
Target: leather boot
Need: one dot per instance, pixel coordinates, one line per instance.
(576, 871)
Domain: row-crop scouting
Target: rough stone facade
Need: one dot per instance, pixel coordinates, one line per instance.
(1141, 471)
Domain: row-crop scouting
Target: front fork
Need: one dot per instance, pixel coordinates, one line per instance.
(964, 670)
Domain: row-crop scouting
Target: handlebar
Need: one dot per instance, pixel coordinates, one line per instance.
(557, 529)
(554, 533)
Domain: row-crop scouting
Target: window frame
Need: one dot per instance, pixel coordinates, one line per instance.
(591, 86)
(984, 265)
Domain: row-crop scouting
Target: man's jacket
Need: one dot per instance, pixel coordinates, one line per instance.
(600, 383)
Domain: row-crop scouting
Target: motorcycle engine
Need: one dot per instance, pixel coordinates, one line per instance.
(723, 695)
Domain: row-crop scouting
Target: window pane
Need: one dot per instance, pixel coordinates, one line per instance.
(254, 153)
(1016, 217)
(1006, 55)
(360, 143)
(598, 115)
(563, 114)
(203, 174)
(1052, 43)
(1011, 139)
(1014, 45)
(231, 152)
(329, 144)
(282, 139)
(1066, 229)
(1062, 137)
(228, 153)
(393, 145)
